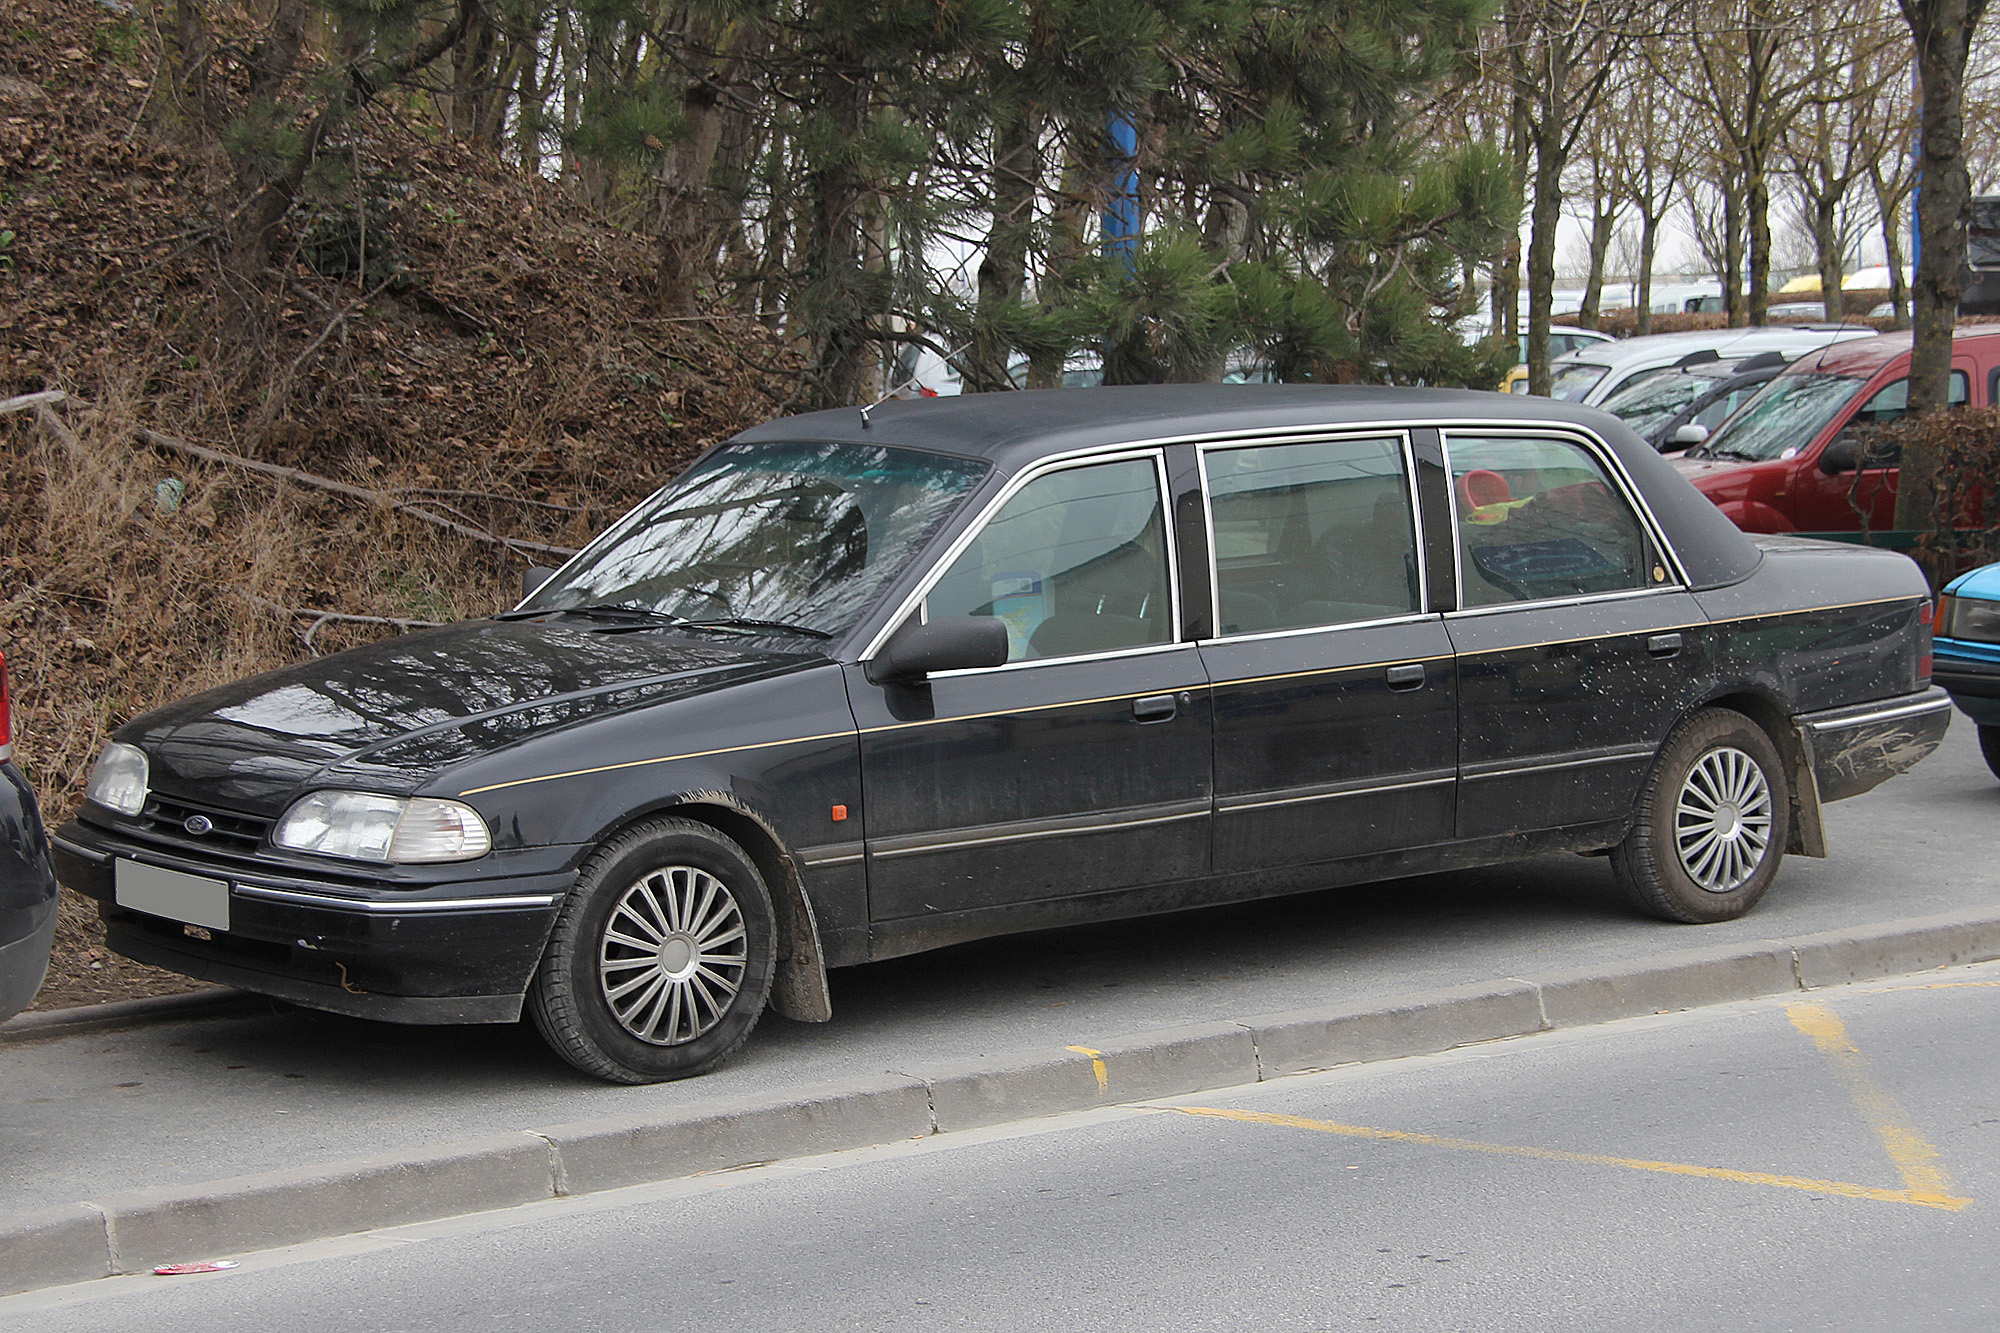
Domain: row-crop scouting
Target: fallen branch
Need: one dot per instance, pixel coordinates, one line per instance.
(375, 497)
(320, 618)
(29, 401)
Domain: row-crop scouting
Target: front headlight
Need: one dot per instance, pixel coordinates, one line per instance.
(118, 782)
(401, 830)
(1973, 619)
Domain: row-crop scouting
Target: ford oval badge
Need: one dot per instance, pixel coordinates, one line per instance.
(197, 824)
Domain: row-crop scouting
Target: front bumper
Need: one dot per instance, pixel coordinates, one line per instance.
(1857, 748)
(449, 951)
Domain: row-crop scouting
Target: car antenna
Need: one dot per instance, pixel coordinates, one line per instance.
(901, 385)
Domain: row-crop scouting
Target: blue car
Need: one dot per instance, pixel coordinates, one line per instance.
(27, 878)
(1965, 656)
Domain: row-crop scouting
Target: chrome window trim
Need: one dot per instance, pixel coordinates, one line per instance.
(1607, 458)
(1581, 599)
(1137, 650)
(1401, 435)
(1062, 462)
(1257, 636)
(1444, 425)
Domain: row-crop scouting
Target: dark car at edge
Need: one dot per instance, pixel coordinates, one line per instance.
(864, 683)
(27, 876)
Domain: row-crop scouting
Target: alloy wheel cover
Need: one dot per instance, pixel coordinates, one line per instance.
(1722, 820)
(672, 955)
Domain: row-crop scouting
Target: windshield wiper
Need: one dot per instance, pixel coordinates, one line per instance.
(746, 623)
(611, 611)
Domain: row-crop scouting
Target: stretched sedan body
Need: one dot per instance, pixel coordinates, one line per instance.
(861, 684)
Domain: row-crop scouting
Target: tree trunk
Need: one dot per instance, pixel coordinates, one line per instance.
(1758, 206)
(1892, 250)
(1545, 216)
(829, 312)
(1826, 242)
(1943, 32)
(1602, 221)
(1003, 270)
(1649, 241)
(1732, 253)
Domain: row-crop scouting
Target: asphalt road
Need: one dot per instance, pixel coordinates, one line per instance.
(1821, 1162)
(180, 1103)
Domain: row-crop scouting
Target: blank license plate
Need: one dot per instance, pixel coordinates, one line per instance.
(197, 900)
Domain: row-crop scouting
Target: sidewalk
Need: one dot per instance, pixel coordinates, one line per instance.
(192, 1137)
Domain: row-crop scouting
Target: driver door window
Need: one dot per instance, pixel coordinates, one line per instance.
(1074, 563)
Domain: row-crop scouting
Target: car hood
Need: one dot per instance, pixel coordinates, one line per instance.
(1983, 582)
(390, 716)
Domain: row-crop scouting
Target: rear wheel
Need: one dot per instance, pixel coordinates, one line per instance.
(1712, 824)
(1989, 745)
(661, 960)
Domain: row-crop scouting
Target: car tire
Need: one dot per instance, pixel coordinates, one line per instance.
(662, 956)
(1711, 824)
(1989, 745)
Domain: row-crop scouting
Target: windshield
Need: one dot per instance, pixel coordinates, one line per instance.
(1652, 403)
(1573, 381)
(1791, 411)
(799, 534)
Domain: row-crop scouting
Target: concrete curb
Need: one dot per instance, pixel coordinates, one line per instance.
(133, 1231)
(208, 1002)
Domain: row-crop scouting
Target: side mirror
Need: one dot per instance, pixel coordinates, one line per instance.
(532, 579)
(1690, 434)
(952, 643)
(1843, 455)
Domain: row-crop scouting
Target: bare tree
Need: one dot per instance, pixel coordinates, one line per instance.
(1835, 138)
(1563, 56)
(1943, 32)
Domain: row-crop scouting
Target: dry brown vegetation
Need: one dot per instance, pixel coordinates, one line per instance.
(495, 363)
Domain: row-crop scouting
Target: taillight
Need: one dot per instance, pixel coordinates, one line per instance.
(6, 715)
(1926, 615)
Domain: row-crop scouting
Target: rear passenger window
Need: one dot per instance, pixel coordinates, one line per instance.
(1311, 534)
(1892, 401)
(1539, 519)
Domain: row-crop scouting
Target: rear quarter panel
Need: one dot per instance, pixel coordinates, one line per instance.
(1819, 625)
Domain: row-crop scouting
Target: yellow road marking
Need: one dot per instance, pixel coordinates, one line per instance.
(1921, 1198)
(1096, 1066)
(1922, 1169)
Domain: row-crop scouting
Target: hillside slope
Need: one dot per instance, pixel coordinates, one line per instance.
(448, 335)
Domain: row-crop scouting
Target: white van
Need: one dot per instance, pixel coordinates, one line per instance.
(1592, 374)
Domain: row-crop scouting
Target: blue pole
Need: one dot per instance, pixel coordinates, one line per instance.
(1121, 218)
(1916, 167)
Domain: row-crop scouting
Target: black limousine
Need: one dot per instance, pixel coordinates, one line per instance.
(861, 683)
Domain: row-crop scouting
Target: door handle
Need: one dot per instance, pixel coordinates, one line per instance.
(1409, 676)
(1664, 645)
(1154, 708)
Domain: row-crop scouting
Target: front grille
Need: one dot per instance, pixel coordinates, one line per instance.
(230, 831)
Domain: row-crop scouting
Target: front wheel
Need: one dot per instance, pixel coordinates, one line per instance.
(661, 960)
(1712, 823)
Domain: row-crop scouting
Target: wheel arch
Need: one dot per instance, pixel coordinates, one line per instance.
(1808, 837)
(799, 988)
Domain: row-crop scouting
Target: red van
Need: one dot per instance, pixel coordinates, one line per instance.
(1788, 461)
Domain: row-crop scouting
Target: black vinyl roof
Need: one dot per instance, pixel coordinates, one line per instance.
(1017, 429)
